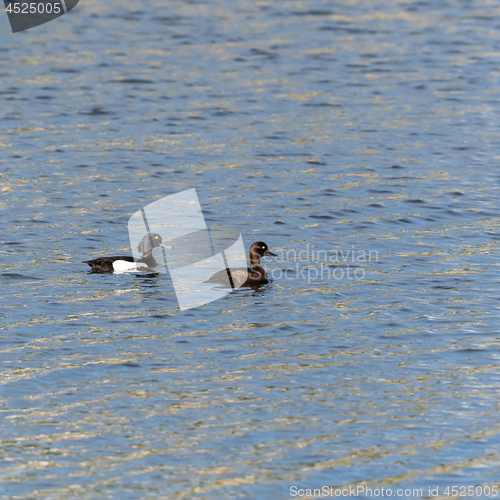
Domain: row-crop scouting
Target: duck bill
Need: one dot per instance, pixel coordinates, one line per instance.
(268, 253)
(166, 246)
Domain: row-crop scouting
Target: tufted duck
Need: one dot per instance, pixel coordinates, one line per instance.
(127, 263)
(253, 275)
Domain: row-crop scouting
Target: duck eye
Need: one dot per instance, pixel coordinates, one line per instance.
(156, 237)
(264, 246)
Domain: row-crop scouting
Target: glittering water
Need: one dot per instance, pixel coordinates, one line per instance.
(325, 127)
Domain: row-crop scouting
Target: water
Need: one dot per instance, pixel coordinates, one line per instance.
(347, 126)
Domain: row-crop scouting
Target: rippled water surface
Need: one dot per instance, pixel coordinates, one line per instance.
(350, 126)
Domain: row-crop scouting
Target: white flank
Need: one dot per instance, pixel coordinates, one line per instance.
(124, 266)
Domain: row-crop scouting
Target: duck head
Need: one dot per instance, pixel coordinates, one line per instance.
(150, 241)
(259, 249)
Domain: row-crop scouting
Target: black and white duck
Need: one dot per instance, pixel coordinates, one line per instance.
(128, 263)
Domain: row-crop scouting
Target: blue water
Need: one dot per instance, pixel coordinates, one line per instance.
(314, 126)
